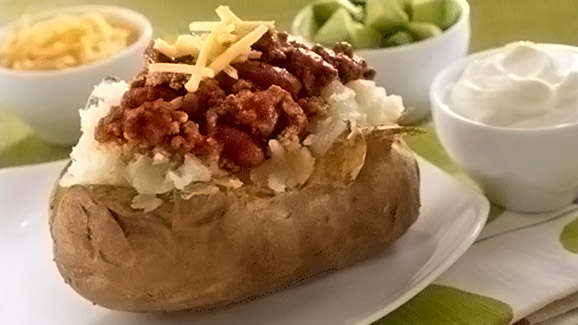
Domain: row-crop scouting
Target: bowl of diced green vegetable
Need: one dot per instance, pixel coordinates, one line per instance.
(407, 41)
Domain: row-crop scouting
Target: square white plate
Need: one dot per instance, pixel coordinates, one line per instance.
(32, 291)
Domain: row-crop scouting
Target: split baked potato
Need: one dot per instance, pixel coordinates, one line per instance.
(216, 249)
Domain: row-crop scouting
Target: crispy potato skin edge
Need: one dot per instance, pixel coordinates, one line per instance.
(211, 251)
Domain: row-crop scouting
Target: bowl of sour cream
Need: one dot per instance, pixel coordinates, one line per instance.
(509, 118)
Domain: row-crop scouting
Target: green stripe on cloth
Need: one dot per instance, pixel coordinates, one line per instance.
(569, 237)
(442, 305)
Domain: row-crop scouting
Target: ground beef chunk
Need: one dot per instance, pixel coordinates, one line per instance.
(140, 79)
(255, 111)
(109, 128)
(240, 149)
(152, 124)
(190, 139)
(316, 110)
(313, 106)
(273, 47)
(350, 66)
(234, 86)
(293, 120)
(265, 75)
(156, 124)
(137, 96)
(209, 94)
(176, 81)
(243, 84)
(265, 114)
(190, 104)
(312, 70)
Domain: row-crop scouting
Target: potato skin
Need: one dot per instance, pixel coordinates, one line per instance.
(210, 251)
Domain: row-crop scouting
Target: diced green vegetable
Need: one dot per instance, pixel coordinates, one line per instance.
(423, 30)
(385, 15)
(308, 27)
(323, 9)
(355, 11)
(442, 13)
(377, 23)
(451, 14)
(365, 37)
(427, 11)
(399, 38)
(336, 29)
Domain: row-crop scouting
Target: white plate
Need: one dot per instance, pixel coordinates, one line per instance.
(32, 291)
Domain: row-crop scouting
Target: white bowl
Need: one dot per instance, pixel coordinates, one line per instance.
(49, 100)
(527, 170)
(408, 70)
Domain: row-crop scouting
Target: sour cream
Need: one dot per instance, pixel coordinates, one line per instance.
(525, 85)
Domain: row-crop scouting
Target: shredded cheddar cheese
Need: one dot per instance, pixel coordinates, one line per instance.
(242, 47)
(219, 45)
(231, 72)
(185, 45)
(61, 42)
(242, 26)
(225, 13)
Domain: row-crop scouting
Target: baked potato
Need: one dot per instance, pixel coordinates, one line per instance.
(235, 165)
(216, 249)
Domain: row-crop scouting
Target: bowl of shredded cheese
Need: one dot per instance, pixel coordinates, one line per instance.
(50, 62)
